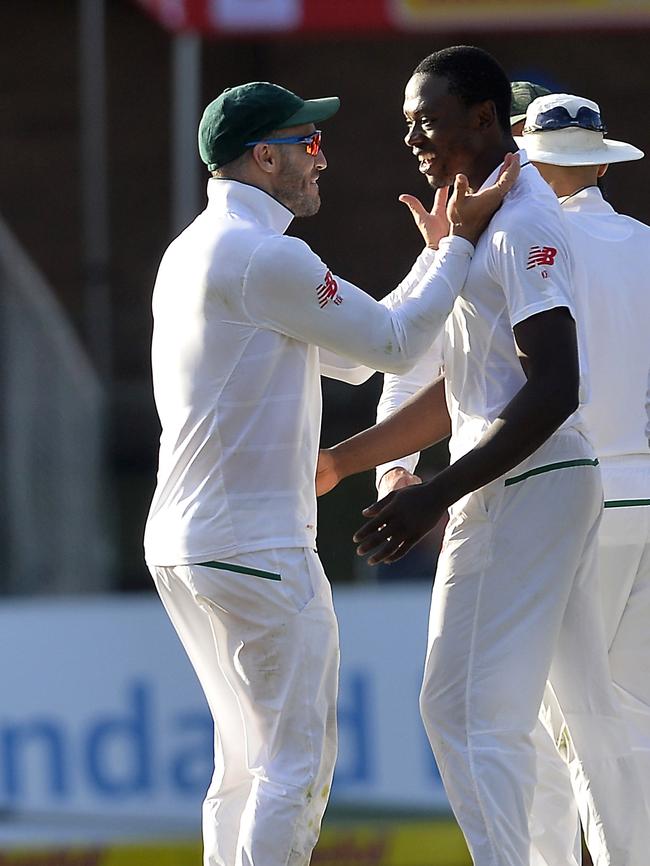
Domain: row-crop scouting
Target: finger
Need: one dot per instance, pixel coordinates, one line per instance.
(507, 162)
(440, 199)
(388, 548)
(509, 172)
(401, 551)
(511, 165)
(461, 186)
(381, 535)
(377, 507)
(368, 528)
(418, 211)
(374, 543)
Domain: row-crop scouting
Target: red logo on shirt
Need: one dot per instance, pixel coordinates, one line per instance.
(540, 256)
(328, 291)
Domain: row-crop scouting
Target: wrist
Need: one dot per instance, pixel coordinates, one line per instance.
(446, 488)
(341, 461)
(394, 473)
(458, 230)
(457, 244)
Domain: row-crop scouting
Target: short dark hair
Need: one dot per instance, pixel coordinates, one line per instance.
(473, 76)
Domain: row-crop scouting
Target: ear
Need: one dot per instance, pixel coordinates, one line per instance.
(485, 114)
(264, 157)
(602, 169)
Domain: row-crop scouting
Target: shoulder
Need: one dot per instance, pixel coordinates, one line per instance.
(606, 225)
(640, 228)
(231, 242)
(283, 253)
(282, 261)
(530, 214)
(530, 200)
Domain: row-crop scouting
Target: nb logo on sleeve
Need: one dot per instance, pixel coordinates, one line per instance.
(540, 256)
(328, 291)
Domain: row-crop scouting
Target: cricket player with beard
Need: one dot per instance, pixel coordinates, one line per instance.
(246, 319)
(515, 600)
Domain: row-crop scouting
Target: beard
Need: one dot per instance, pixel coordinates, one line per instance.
(296, 191)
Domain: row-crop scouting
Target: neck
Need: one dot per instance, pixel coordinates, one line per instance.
(488, 160)
(244, 174)
(568, 180)
(565, 196)
(571, 187)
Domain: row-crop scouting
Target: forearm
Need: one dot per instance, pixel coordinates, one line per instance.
(398, 390)
(420, 422)
(418, 270)
(343, 369)
(530, 418)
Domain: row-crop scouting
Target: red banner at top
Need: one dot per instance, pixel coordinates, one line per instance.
(240, 17)
(269, 17)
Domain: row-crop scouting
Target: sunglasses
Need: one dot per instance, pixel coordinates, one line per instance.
(311, 142)
(559, 118)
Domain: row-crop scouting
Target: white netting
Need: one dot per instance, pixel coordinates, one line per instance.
(53, 536)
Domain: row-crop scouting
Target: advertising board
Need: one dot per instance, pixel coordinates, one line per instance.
(102, 714)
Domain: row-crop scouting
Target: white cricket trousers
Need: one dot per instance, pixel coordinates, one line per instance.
(261, 634)
(515, 601)
(624, 587)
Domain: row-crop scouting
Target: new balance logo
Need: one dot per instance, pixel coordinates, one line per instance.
(540, 256)
(328, 291)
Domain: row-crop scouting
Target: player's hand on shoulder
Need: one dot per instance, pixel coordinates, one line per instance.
(433, 224)
(470, 213)
(395, 479)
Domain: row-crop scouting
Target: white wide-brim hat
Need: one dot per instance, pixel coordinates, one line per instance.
(548, 141)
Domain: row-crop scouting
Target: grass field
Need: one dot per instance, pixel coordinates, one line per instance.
(347, 839)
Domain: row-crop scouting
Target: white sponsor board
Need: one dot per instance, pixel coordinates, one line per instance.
(101, 713)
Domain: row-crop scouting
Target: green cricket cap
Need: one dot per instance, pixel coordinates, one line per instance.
(250, 111)
(523, 93)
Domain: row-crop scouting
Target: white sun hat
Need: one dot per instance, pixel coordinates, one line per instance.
(561, 129)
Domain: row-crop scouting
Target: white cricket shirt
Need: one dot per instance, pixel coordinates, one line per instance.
(612, 280)
(240, 310)
(522, 266)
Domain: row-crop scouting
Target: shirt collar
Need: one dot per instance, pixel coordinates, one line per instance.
(248, 201)
(589, 200)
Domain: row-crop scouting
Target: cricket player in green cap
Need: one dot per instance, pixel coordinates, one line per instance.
(246, 320)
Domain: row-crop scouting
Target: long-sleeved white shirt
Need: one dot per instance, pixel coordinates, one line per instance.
(240, 311)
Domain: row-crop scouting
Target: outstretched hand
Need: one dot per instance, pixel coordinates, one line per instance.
(433, 224)
(470, 213)
(397, 522)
